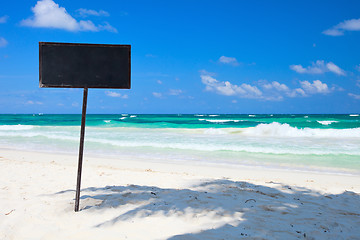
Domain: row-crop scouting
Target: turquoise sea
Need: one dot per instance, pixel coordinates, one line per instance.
(305, 142)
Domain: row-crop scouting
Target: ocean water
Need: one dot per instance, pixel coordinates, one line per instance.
(306, 142)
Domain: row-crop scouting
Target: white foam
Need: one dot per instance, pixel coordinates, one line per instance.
(38, 132)
(214, 115)
(15, 127)
(107, 121)
(122, 118)
(276, 129)
(326, 122)
(354, 115)
(214, 131)
(274, 138)
(251, 115)
(216, 146)
(133, 116)
(218, 120)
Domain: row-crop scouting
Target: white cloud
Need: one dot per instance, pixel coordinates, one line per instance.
(3, 42)
(115, 94)
(30, 102)
(204, 72)
(318, 67)
(156, 94)
(347, 25)
(350, 25)
(355, 96)
(88, 26)
(48, 14)
(333, 32)
(228, 89)
(335, 69)
(276, 90)
(297, 92)
(4, 19)
(276, 85)
(175, 92)
(316, 87)
(112, 94)
(89, 12)
(298, 68)
(106, 26)
(271, 91)
(228, 60)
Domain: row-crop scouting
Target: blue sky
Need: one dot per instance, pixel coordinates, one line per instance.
(191, 56)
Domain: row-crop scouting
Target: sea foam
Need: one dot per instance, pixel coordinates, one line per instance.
(276, 129)
(15, 127)
(327, 122)
(219, 120)
(214, 131)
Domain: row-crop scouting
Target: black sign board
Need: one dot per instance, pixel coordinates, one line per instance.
(74, 65)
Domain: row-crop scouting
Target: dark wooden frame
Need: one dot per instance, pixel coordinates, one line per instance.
(120, 85)
(43, 84)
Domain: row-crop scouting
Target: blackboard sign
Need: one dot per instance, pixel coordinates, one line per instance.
(78, 65)
(75, 65)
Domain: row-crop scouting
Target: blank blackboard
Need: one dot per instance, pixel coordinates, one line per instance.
(75, 65)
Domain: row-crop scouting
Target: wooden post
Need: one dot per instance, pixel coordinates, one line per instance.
(81, 150)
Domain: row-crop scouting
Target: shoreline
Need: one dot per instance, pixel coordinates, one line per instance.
(131, 199)
(253, 173)
(224, 165)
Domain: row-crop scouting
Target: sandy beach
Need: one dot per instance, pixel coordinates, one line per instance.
(198, 120)
(132, 199)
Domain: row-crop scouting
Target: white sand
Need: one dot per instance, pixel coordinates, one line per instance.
(130, 199)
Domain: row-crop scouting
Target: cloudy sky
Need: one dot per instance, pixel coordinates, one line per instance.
(191, 56)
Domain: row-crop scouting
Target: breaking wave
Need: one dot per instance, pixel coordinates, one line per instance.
(276, 129)
(15, 127)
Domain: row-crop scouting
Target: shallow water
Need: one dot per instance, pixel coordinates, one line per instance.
(310, 142)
